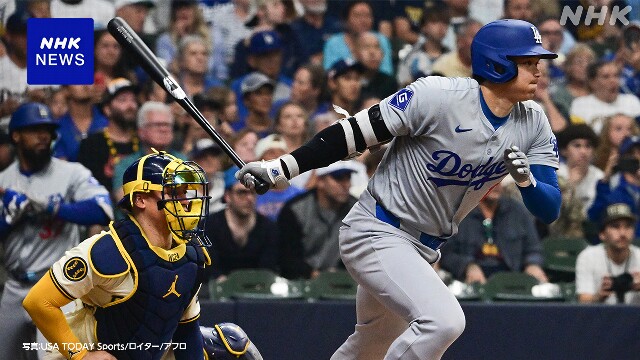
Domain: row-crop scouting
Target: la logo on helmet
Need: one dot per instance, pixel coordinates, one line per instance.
(536, 35)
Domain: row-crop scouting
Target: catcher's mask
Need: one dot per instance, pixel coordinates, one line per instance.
(227, 341)
(184, 189)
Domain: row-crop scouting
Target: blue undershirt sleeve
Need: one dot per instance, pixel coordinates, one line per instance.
(85, 212)
(544, 199)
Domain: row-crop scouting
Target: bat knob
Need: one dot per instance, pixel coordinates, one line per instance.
(261, 186)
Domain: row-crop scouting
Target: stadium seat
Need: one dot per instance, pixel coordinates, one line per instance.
(335, 285)
(515, 286)
(560, 256)
(255, 284)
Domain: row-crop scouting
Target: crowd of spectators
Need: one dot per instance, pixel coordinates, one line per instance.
(269, 74)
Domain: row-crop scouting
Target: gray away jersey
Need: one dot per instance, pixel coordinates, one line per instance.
(446, 155)
(38, 240)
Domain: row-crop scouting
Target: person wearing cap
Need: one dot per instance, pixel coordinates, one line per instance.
(627, 188)
(257, 97)
(241, 237)
(136, 283)
(309, 224)
(209, 156)
(609, 272)
(134, 12)
(270, 204)
(265, 55)
(270, 16)
(101, 151)
(358, 18)
(450, 141)
(154, 124)
(344, 80)
(46, 205)
(83, 119)
(101, 11)
(576, 144)
(499, 235)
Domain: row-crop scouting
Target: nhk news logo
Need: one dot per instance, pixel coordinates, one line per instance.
(59, 51)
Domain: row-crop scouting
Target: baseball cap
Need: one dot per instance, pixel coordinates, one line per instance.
(617, 211)
(273, 141)
(264, 42)
(628, 143)
(573, 132)
(337, 168)
(255, 81)
(204, 146)
(116, 86)
(17, 22)
(341, 66)
(120, 3)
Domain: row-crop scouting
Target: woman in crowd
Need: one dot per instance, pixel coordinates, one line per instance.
(614, 130)
(575, 81)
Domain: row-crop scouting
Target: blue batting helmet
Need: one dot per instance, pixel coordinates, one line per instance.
(31, 114)
(497, 42)
(227, 341)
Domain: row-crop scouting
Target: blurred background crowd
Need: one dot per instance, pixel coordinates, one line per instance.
(267, 74)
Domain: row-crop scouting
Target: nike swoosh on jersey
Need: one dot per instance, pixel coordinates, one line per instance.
(458, 130)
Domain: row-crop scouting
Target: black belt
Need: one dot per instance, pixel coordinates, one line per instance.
(27, 277)
(427, 240)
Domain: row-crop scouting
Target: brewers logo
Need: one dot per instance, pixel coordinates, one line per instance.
(75, 269)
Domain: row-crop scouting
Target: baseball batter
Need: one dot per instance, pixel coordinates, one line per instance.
(452, 139)
(45, 204)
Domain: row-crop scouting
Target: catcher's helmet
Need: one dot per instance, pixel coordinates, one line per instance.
(184, 189)
(32, 114)
(497, 42)
(227, 341)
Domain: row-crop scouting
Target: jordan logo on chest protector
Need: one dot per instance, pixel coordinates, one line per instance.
(172, 289)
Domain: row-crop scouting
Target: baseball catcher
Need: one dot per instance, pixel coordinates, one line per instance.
(137, 283)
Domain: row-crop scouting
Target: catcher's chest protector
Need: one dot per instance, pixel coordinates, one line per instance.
(150, 316)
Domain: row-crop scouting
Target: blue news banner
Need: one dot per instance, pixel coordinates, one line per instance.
(60, 51)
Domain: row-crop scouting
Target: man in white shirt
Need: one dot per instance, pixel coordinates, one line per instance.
(605, 98)
(610, 272)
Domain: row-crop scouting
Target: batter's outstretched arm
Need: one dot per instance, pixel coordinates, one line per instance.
(346, 138)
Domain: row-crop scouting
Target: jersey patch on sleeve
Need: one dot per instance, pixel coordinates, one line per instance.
(75, 269)
(401, 99)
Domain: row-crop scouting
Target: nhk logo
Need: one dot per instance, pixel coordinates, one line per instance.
(59, 51)
(616, 14)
